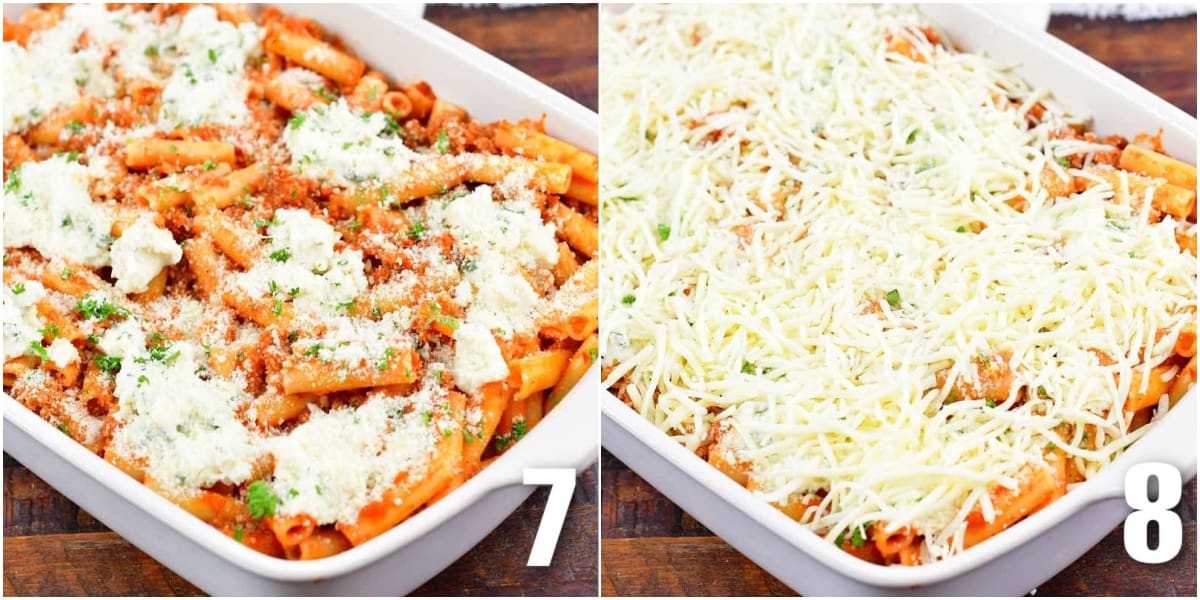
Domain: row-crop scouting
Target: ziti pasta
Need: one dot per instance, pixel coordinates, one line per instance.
(887, 286)
(298, 299)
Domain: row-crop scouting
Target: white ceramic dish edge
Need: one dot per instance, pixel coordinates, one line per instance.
(409, 554)
(1031, 551)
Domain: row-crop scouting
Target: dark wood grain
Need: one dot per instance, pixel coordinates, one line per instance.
(649, 547)
(52, 547)
(1158, 55)
(554, 43)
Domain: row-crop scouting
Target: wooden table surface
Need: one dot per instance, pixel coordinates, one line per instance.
(52, 547)
(649, 547)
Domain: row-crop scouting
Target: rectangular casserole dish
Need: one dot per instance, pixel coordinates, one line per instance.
(1030, 552)
(409, 554)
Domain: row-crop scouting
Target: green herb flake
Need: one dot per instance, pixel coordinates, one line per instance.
(893, 298)
(859, 537)
(664, 232)
(260, 500)
(108, 364)
(628, 299)
(18, 289)
(443, 142)
(238, 532)
(39, 350)
(76, 127)
(281, 255)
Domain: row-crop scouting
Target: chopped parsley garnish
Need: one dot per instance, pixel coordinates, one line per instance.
(1050, 446)
(281, 255)
(893, 298)
(297, 120)
(518, 431)
(238, 532)
(1065, 162)
(99, 308)
(14, 181)
(961, 229)
(292, 493)
(748, 367)
(18, 289)
(593, 353)
(450, 322)
(991, 403)
(416, 230)
(313, 350)
(912, 136)
(66, 274)
(664, 232)
(392, 125)
(347, 305)
(212, 56)
(63, 428)
(469, 265)
(261, 501)
(76, 127)
(292, 293)
(628, 299)
(108, 364)
(208, 165)
(39, 350)
(859, 537)
(327, 95)
(277, 307)
(50, 331)
(443, 142)
(151, 50)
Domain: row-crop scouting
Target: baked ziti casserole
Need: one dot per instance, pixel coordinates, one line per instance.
(888, 286)
(295, 298)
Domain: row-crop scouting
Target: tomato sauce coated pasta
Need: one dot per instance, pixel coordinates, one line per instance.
(889, 287)
(296, 298)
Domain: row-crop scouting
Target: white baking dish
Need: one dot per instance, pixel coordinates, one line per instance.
(414, 551)
(1033, 550)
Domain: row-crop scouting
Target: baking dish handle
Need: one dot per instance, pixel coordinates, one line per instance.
(1178, 424)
